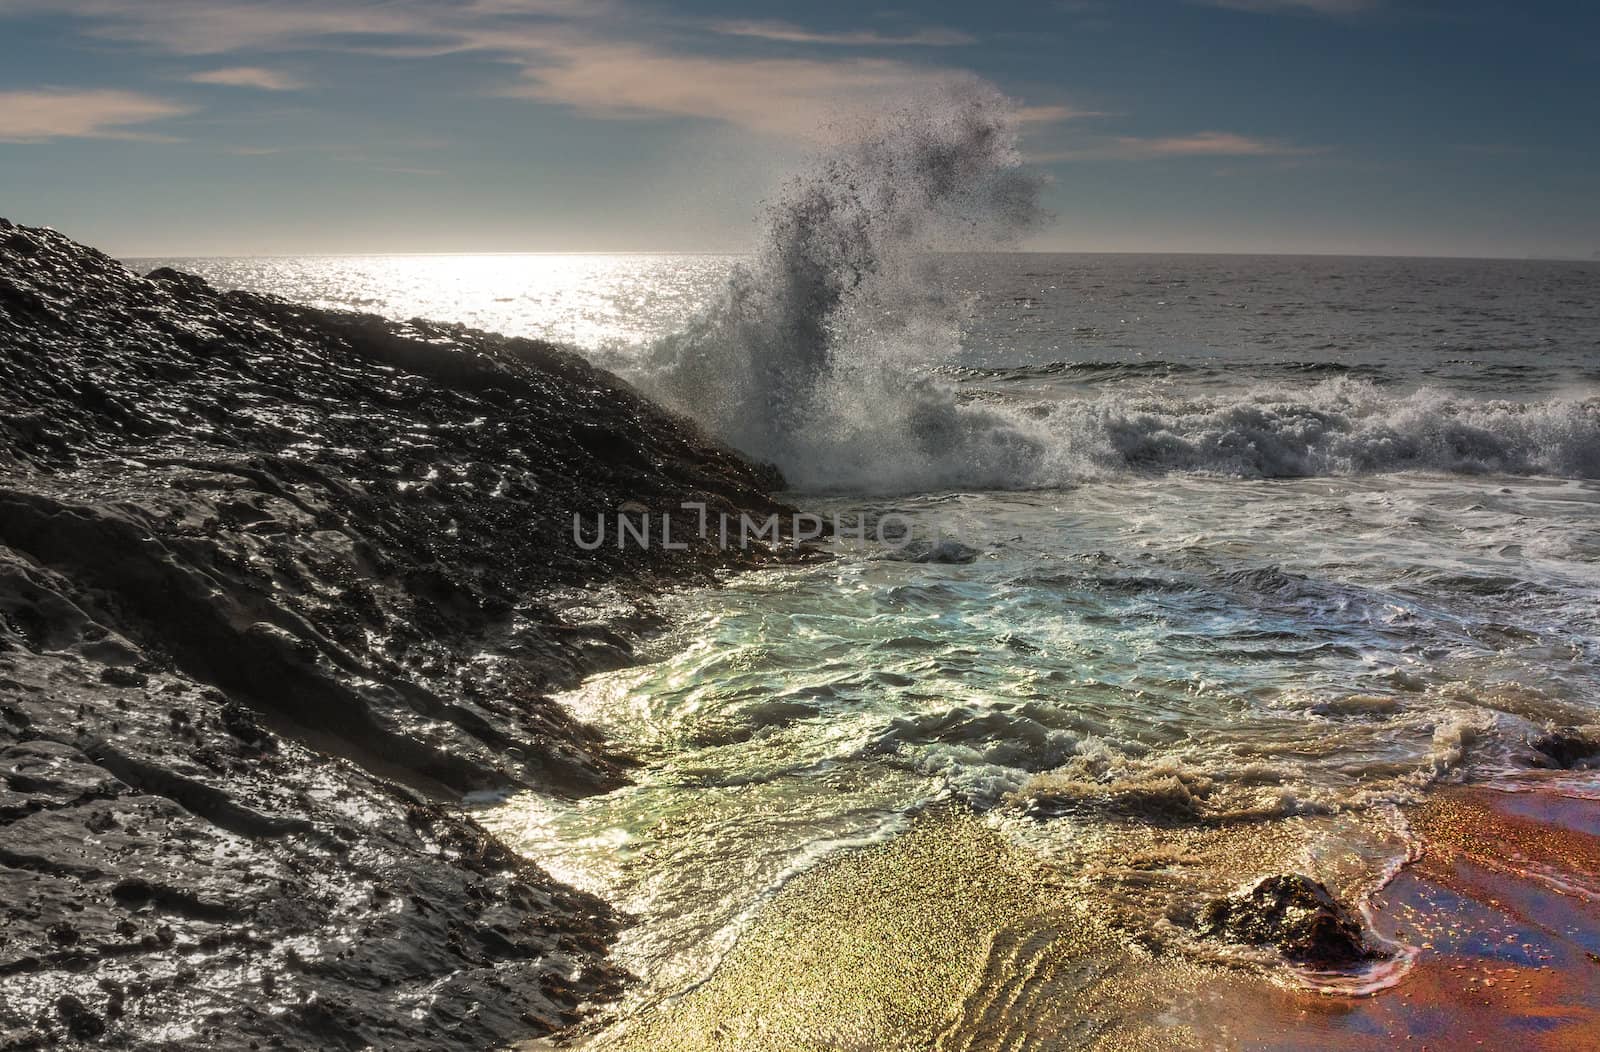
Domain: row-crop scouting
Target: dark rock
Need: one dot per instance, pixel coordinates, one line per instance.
(124, 677)
(1566, 748)
(81, 1023)
(62, 934)
(919, 551)
(1297, 915)
(242, 725)
(277, 586)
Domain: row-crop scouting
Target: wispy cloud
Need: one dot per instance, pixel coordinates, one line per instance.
(248, 77)
(1320, 7)
(1491, 149)
(1200, 144)
(1211, 144)
(789, 97)
(1054, 114)
(608, 58)
(215, 27)
(39, 116)
(793, 34)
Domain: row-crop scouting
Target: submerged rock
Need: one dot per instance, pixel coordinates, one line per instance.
(946, 551)
(1295, 914)
(277, 586)
(1567, 748)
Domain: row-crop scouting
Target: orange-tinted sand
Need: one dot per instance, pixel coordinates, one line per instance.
(950, 938)
(1510, 940)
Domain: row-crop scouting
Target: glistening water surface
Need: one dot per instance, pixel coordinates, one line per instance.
(1207, 650)
(1268, 543)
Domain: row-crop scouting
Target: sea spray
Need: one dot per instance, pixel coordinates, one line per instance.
(830, 352)
(816, 354)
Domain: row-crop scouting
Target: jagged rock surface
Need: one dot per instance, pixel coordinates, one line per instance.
(1567, 748)
(1295, 914)
(275, 581)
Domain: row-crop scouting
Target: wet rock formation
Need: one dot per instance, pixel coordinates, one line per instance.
(1567, 748)
(277, 587)
(1295, 914)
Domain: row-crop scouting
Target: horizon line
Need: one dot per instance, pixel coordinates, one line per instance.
(1296, 254)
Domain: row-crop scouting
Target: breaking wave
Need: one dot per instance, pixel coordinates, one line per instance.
(1337, 427)
(829, 352)
(815, 356)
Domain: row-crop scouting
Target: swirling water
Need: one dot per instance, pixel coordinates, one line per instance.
(1281, 539)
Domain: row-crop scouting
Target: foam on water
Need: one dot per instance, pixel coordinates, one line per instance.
(815, 356)
(1149, 638)
(829, 352)
(1337, 427)
(1133, 660)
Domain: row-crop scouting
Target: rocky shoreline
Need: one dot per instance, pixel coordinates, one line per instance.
(278, 586)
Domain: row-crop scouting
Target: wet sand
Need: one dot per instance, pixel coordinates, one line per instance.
(1502, 905)
(950, 938)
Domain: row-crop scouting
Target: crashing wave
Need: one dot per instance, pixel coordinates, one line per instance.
(1338, 427)
(811, 357)
(829, 352)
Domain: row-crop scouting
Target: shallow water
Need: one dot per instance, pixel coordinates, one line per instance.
(1289, 542)
(1206, 651)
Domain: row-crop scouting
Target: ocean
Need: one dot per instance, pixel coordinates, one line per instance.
(1324, 536)
(1273, 544)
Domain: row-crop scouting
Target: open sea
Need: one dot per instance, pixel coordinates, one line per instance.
(1217, 540)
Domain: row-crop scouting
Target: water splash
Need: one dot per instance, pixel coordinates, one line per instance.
(829, 352)
(812, 356)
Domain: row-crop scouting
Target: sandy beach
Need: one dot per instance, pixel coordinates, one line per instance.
(949, 938)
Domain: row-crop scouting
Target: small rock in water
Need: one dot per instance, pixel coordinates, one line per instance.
(947, 551)
(1296, 914)
(1567, 748)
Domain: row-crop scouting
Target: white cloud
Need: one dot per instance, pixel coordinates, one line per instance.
(42, 115)
(248, 77)
(789, 33)
(1054, 114)
(215, 27)
(608, 58)
(1200, 144)
(199, 27)
(787, 97)
(1210, 144)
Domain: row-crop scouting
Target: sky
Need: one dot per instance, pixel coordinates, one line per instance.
(243, 127)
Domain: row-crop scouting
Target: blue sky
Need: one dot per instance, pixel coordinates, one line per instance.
(280, 126)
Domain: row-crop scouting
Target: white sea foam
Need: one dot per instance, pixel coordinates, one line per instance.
(824, 352)
(1337, 427)
(815, 354)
